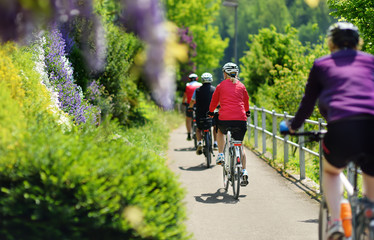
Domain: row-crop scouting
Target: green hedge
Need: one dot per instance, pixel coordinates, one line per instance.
(90, 185)
(83, 182)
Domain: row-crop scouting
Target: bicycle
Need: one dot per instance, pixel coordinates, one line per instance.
(232, 167)
(206, 125)
(362, 210)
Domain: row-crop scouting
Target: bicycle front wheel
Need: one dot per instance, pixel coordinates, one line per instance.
(323, 220)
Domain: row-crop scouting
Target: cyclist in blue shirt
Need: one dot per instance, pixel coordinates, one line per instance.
(343, 83)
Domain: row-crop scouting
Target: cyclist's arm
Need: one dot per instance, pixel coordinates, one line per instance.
(313, 89)
(192, 103)
(215, 99)
(246, 100)
(184, 99)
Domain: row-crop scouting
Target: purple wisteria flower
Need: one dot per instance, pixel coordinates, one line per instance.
(145, 18)
(61, 76)
(186, 37)
(94, 91)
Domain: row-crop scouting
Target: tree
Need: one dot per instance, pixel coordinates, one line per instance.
(360, 13)
(198, 16)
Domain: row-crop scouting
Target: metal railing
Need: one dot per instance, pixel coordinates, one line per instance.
(256, 128)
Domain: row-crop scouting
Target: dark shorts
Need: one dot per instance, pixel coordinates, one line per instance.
(188, 113)
(351, 140)
(204, 123)
(237, 128)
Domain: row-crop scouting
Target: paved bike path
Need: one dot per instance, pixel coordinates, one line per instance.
(270, 207)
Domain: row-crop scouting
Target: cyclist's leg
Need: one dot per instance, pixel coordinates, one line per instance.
(368, 182)
(198, 134)
(332, 188)
(188, 124)
(244, 159)
(220, 141)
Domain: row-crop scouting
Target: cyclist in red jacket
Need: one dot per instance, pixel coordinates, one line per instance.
(187, 96)
(232, 96)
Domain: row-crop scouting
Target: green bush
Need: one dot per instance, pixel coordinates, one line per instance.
(80, 186)
(117, 79)
(86, 183)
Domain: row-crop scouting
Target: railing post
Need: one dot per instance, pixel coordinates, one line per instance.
(285, 145)
(274, 131)
(249, 128)
(302, 154)
(256, 125)
(263, 126)
(320, 157)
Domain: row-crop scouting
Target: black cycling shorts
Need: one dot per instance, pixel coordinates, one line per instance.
(351, 140)
(188, 113)
(204, 122)
(237, 128)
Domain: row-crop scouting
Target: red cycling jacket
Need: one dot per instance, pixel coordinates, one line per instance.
(190, 89)
(233, 99)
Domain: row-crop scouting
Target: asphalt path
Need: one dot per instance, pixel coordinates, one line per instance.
(270, 207)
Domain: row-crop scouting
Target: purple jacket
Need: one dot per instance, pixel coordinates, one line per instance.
(344, 84)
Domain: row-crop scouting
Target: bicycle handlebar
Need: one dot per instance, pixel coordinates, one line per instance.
(315, 135)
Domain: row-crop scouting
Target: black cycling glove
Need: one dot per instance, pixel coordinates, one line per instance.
(248, 113)
(210, 114)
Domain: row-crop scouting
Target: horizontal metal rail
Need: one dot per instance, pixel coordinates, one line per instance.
(256, 127)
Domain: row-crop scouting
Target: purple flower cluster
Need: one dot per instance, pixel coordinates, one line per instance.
(186, 37)
(20, 18)
(145, 18)
(61, 76)
(94, 91)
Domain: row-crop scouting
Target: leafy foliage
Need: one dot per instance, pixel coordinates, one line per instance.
(254, 15)
(198, 16)
(89, 186)
(360, 13)
(267, 50)
(87, 183)
(277, 67)
(120, 85)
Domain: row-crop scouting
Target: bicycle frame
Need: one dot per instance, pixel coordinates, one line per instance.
(359, 222)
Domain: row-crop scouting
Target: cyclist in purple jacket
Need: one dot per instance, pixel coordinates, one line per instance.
(343, 83)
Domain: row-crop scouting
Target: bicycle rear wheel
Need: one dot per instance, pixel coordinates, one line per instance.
(323, 220)
(194, 135)
(235, 178)
(225, 172)
(207, 148)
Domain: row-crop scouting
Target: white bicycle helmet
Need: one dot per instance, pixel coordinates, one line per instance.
(230, 68)
(344, 34)
(207, 77)
(193, 77)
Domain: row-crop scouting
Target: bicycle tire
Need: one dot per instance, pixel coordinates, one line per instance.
(363, 233)
(194, 136)
(235, 176)
(226, 179)
(207, 147)
(323, 220)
